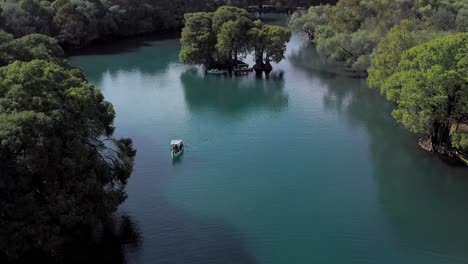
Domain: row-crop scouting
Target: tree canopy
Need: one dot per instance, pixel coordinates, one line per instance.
(62, 171)
(387, 56)
(29, 47)
(350, 31)
(227, 35)
(430, 88)
(76, 23)
(198, 39)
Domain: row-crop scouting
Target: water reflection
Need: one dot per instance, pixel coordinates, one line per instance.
(306, 57)
(424, 198)
(234, 94)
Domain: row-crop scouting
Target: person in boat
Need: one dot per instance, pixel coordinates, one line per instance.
(175, 149)
(181, 145)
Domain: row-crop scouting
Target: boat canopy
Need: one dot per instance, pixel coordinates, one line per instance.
(176, 142)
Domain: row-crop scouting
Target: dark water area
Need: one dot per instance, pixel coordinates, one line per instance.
(304, 167)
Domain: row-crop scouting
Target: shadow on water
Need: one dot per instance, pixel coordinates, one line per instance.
(232, 94)
(120, 46)
(424, 198)
(111, 242)
(173, 235)
(179, 238)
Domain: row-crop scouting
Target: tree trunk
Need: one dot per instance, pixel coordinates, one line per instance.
(311, 36)
(440, 138)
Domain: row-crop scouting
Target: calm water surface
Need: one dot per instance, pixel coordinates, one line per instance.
(310, 168)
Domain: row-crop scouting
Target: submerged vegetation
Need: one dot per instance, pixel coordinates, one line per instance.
(223, 38)
(412, 54)
(62, 170)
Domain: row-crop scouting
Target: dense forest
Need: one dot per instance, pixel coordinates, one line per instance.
(75, 23)
(62, 171)
(412, 52)
(350, 31)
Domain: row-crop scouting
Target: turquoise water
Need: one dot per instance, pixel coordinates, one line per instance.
(308, 168)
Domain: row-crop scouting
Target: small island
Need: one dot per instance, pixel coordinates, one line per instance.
(222, 39)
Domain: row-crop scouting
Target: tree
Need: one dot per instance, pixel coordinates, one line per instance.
(350, 31)
(198, 40)
(258, 36)
(433, 91)
(233, 40)
(29, 47)
(223, 43)
(388, 54)
(277, 38)
(225, 14)
(308, 21)
(62, 171)
(77, 23)
(269, 43)
(4, 55)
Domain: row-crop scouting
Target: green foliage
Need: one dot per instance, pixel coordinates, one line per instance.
(27, 17)
(268, 42)
(388, 54)
(58, 172)
(232, 38)
(308, 22)
(345, 17)
(198, 40)
(350, 31)
(432, 84)
(227, 35)
(225, 14)
(460, 140)
(277, 39)
(78, 22)
(5, 37)
(27, 48)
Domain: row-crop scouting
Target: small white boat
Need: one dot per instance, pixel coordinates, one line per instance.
(177, 148)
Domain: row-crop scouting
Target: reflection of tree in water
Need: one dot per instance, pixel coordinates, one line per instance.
(232, 94)
(307, 58)
(110, 243)
(423, 197)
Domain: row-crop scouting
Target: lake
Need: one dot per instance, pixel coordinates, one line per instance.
(307, 166)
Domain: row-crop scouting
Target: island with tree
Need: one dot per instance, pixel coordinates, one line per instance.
(223, 38)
